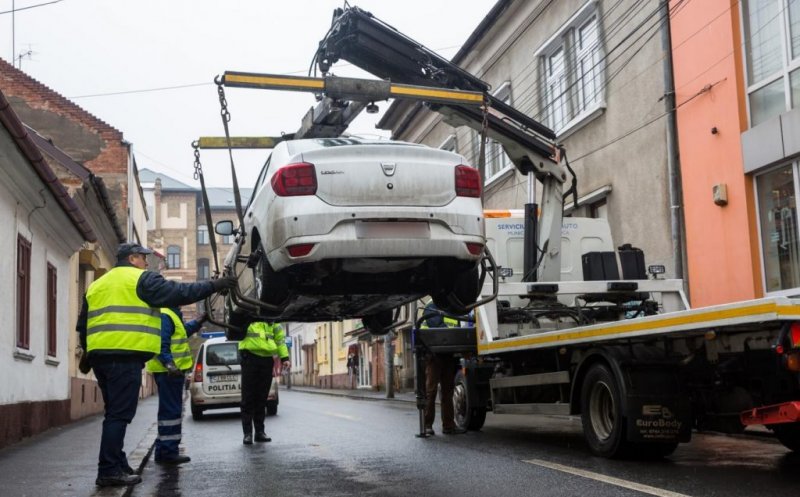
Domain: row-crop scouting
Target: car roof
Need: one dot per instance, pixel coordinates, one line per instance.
(216, 340)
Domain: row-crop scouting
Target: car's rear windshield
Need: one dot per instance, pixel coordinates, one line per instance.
(222, 354)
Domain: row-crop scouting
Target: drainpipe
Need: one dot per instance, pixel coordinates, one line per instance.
(673, 159)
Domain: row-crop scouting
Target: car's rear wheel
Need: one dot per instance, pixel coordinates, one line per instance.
(378, 324)
(456, 290)
(271, 287)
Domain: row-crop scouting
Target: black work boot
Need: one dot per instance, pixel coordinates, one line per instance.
(247, 428)
(262, 437)
(119, 480)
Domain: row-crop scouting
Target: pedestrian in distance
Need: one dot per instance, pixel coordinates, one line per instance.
(440, 369)
(119, 327)
(261, 345)
(169, 369)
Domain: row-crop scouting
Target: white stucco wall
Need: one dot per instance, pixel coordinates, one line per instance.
(31, 375)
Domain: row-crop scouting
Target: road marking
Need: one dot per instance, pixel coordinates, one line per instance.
(343, 416)
(646, 489)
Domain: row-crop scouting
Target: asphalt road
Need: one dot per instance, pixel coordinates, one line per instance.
(333, 446)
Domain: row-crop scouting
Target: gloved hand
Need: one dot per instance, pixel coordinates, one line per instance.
(224, 283)
(172, 369)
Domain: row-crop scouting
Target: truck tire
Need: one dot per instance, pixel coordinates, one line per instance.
(789, 435)
(197, 413)
(467, 417)
(601, 413)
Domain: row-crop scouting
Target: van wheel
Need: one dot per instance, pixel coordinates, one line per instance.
(601, 413)
(271, 287)
(467, 416)
(197, 413)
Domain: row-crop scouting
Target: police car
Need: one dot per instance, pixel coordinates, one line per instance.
(216, 379)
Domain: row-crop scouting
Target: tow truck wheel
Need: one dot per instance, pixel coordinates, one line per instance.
(271, 287)
(789, 435)
(467, 416)
(601, 416)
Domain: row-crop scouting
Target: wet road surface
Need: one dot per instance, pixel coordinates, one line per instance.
(332, 446)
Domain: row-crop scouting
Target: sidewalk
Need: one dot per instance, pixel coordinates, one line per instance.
(63, 461)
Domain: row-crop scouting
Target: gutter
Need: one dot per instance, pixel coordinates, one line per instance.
(31, 152)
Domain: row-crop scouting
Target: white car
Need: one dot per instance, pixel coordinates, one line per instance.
(343, 228)
(216, 382)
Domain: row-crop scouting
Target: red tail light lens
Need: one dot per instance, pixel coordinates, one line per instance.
(468, 181)
(474, 248)
(198, 373)
(300, 250)
(794, 334)
(295, 179)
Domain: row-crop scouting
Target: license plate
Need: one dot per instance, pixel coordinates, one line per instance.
(224, 378)
(380, 229)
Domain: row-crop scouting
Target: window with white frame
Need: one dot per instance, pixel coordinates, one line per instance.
(572, 79)
(173, 257)
(496, 159)
(202, 235)
(776, 193)
(772, 54)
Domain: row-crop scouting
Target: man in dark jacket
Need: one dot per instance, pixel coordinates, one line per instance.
(120, 328)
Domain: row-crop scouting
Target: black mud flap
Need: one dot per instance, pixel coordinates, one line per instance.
(656, 408)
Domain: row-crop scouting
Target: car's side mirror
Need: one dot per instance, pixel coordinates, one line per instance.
(224, 228)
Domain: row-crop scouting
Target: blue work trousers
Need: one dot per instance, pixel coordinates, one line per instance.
(170, 413)
(119, 383)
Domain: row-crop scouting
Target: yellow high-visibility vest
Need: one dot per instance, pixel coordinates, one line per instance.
(117, 318)
(178, 346)
(265, 340)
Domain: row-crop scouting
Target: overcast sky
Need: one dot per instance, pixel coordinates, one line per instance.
(90, 47)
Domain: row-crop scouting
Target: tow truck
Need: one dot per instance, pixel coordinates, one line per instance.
(623, 351)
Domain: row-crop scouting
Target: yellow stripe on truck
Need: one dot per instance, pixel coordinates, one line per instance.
(654, 323)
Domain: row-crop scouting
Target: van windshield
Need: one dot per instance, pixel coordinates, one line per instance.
(222, 354)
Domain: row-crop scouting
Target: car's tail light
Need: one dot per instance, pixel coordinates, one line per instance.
(474, 248)
(295, 179)
(198, 373)
(794, 335)
(468, 181)
(300, 250)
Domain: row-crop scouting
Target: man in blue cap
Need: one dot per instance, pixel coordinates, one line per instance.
(120, 328)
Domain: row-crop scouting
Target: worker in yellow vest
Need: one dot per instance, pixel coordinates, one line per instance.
(262, 344)
(440, 369)
(169, 369)
(120, 328)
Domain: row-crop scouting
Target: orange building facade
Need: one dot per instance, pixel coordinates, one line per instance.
(737, 88)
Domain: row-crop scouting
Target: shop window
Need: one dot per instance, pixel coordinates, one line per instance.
(777, 205)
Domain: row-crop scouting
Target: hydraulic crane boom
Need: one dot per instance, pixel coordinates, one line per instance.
(363, 40)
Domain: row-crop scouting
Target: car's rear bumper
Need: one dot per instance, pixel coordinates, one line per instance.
(359, 233)
(203, 399)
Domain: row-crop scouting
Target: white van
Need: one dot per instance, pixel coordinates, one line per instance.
(216, 382)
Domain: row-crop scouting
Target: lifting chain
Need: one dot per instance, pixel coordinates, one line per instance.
(198, 174)
(226, 118)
